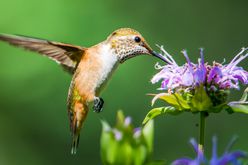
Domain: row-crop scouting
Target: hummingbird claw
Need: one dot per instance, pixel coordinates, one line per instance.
(98, 105)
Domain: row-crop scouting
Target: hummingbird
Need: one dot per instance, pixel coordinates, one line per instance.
(91, 68)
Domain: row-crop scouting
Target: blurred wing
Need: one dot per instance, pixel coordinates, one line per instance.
(68, 56)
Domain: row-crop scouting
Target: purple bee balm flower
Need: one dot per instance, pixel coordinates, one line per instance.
(191, 75)
(188, 161)
(195, 87)
(226, 158)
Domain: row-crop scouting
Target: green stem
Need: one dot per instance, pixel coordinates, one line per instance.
(203, 116)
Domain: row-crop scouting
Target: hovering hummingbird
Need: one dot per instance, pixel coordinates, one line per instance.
(91, 68)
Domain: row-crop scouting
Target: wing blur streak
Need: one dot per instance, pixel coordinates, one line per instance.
(68, 56)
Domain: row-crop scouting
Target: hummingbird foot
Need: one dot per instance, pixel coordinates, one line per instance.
(98, 104)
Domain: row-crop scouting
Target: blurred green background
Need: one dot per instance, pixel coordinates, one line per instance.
(34, 128)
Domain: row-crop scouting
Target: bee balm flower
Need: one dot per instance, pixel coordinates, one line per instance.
(190, 75)
(196, 87)
(124, 144)
(227, 158)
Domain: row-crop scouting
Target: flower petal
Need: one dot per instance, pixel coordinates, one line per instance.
(214, 73)
(182, 161)
(231, 157)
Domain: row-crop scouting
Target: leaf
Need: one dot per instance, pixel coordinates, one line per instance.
(105, 126)
(124, 153)
(139, 155)
(219, 108)
(245, 95)
(113, 151)
(105, 143)
(148, 132)
(160, 111)
(239, 107)
(201, 101)
(181, 101)
(120, 119)
(175, 100)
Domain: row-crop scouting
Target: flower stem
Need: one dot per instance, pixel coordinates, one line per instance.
(203, 116)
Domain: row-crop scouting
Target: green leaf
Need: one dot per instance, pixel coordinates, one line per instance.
(105, 126)
(160, 111)
(105, 143)
(139, 155)
(245, 95)
(124, 153)
(219, 108)
(239, 107)
(175, 100)
(201, 101)
(148, 132)
(120, 119)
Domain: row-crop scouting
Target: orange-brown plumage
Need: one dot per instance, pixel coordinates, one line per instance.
(91, 68)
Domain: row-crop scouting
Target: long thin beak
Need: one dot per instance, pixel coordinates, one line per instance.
(155, 54)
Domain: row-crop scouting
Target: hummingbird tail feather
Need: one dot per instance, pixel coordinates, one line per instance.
(75, 143)
(77, 116)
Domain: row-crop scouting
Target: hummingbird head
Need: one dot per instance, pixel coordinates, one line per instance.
(128, 43)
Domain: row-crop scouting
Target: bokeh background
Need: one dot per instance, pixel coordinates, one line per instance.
(34, 127)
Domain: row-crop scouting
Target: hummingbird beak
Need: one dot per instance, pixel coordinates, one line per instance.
(155, 54)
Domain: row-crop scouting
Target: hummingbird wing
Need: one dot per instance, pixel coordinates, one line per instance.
(68, 56)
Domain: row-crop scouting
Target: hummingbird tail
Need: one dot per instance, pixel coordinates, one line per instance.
(77, 116)
(75, 143)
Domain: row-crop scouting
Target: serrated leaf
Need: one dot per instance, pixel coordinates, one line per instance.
(160, 111)
(201, 101)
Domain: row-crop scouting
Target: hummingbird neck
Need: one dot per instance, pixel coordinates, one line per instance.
(108, 57)
(108, 61)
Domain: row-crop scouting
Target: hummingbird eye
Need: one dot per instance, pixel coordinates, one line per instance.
(137, 39)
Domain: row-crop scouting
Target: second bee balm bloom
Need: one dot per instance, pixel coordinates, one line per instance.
(123, 144)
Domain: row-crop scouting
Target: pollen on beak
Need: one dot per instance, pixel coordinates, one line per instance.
(155, 54)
